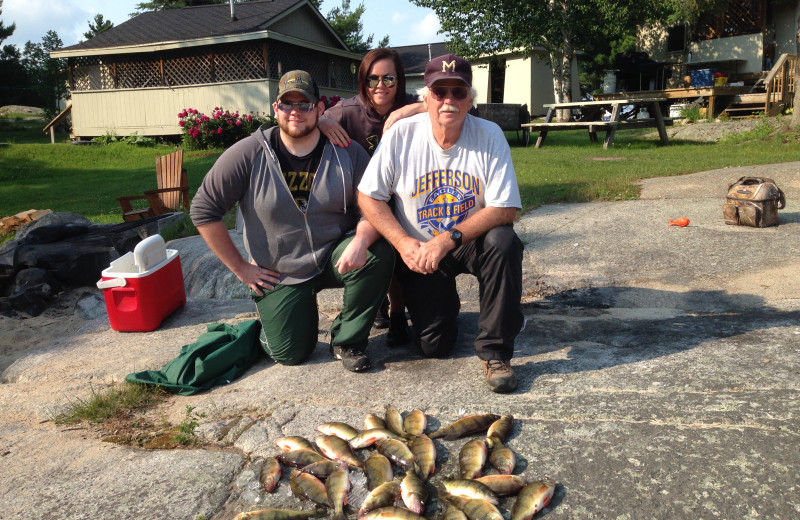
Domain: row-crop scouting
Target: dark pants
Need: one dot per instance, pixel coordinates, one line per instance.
(289, 314)
(495, 259)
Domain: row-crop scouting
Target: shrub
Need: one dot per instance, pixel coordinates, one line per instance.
(134, 139)
(329, 102)
(220, 129)
(691, 113)
(139, 140)
(108, 138)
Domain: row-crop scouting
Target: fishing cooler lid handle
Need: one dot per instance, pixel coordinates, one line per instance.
(111, 283)
(149, 253)
(753, 181)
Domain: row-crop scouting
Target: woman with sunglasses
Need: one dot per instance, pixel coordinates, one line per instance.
(381, 100)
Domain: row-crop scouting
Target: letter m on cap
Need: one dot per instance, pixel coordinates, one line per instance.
(451, 66)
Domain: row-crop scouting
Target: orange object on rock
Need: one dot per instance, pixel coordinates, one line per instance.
(682, 222)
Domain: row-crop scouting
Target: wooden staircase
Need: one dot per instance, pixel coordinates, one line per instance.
(771, 94)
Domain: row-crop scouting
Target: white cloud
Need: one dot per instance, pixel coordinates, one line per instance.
(426, 30)
(398, 18)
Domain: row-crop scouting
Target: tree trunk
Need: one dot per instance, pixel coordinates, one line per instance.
(562, 81)
(561, 60)
(795, 113)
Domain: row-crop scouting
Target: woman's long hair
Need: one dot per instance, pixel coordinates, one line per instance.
(363, 71)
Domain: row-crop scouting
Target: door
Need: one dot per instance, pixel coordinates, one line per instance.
(497, 80)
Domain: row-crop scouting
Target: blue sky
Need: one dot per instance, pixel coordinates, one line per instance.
(405, 23)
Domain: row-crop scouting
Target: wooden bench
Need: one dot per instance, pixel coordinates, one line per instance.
(594, 126)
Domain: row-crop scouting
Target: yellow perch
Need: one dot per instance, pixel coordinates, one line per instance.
(533, 498)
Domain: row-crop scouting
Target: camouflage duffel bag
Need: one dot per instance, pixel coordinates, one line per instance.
(754, 202)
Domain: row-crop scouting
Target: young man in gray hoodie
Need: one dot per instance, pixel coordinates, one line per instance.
(302, 229)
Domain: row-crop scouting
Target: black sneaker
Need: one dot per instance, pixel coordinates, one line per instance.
(352, 358)
(382, 318)
(499, 376)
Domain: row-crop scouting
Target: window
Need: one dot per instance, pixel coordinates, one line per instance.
(676, 38)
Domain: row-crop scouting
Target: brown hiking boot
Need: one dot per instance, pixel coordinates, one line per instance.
(499, 376)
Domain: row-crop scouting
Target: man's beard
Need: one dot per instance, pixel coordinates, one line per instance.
(297, 132)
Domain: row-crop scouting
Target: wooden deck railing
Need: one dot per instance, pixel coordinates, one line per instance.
(780, 85)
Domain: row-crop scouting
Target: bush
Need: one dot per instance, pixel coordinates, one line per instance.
(108, 138)
(691, 113)
(219, 130)
(138, 140)
(134, 139)
(329, 102)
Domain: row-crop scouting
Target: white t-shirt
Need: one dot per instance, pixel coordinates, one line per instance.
(436, 189)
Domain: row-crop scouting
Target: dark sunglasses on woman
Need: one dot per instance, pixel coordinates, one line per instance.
(459, 93)
(388, 81)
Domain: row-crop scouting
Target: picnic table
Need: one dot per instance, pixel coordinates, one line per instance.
(592, 118)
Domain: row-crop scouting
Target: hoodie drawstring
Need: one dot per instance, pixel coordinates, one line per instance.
(344, 183)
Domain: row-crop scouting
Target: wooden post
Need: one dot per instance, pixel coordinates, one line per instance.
(52, 134)
(212, 72)
(264, 58)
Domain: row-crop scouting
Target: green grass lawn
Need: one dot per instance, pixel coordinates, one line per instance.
(35, 174)
(569, 168)
(83, 179)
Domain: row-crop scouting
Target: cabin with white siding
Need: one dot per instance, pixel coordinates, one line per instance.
(137, 76)
(506, 77)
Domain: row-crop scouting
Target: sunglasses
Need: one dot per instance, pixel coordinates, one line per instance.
(388, 81)
(459, 93)
(301, 106)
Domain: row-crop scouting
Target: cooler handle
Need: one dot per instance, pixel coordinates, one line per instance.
(113, 282)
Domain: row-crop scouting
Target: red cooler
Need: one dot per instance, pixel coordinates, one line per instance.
(143, 287)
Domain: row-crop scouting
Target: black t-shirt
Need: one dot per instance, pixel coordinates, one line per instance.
(298, 172)
(360, 120)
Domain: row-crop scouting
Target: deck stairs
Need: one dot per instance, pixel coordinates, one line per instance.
(745, 105)
(771, 94)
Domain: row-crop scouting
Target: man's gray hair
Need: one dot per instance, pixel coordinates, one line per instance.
(423, 92)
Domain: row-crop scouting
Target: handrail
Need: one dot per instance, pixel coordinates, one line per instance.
(780, 85)
(51, 126)
(777, 67)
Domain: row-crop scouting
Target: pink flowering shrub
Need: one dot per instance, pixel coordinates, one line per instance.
(220, 129)
(329, 102)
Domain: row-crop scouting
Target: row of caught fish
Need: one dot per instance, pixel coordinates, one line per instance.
(402, 440)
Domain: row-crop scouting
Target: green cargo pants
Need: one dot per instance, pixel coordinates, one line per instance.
(289, 314)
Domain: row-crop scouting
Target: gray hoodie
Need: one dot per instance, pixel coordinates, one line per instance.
(277, 235)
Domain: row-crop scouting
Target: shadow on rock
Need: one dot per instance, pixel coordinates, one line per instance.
(611, 326)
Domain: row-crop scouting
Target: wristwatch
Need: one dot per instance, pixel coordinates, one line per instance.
(455, 235)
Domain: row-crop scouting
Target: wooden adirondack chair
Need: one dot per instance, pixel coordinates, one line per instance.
(172, 193)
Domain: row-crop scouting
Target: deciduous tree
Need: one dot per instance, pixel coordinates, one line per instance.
(47, 75)
(561, 27)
